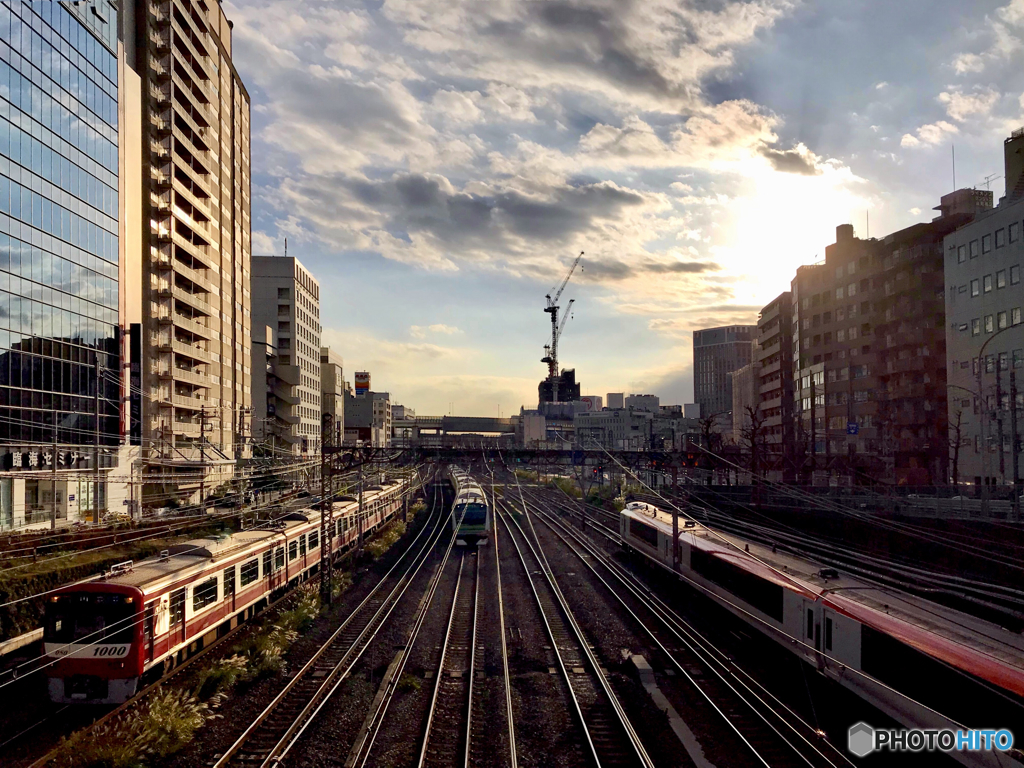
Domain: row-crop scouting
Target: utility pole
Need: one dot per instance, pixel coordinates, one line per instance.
(359, 509)
(999, 419)
(96, 443)
(202, 454)
(53, 466)
(1013, 445)
(326, 511)
(675, 518)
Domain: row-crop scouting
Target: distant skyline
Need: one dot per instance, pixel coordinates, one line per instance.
(437, 165)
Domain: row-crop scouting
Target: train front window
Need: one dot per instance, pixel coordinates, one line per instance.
(472, 514)
(89, 618)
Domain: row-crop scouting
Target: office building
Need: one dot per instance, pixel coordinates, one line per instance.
(746, 385)
(775, 387)
(60, 266)
(286, 297)
(717, 352)
(984, 333)
(332, 392)
(643, 402)
(195, 319)
(368, 419)
(623, 429)
(691, 410)
(616, 400)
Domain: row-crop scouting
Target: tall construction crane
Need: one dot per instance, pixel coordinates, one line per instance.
(551, 350)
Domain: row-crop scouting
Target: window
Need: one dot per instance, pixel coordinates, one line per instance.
(840, 335)
(986, 284)
(975, 287)
(314, 536)
(853, 333)
(840, 313)
(961, 254)
(1001, 278)
(1014, 232)
(1015, 316)
(974, 249)
(284, 326)
(989, 324)
(250, 571)
(986, 243)
(302, 544)
(268, 558)
(279, 558)
(1018, 358)
(1014, 274)
(229, 581)
(839, 293)
(204, 594)
(282, 293)
(1003, 361)
(1000, 238)
(1001, 320)
(293, 550)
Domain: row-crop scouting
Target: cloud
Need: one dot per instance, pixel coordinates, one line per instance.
(931, 134)
(797, 160)
(420, 332)
(961, 106)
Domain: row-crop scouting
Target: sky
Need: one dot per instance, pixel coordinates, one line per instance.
(438, 164)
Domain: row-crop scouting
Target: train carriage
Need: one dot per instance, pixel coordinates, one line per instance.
(910, 659)
(471, 512)
(105, 637)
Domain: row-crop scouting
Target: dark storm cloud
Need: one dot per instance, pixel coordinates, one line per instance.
(791, 161)
(422, 203)
(610, 270)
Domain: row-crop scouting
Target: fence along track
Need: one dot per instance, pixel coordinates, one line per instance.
(272, 734)
(610, 737)
(759, 719)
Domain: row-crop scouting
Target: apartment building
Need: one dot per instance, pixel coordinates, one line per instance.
(775, 386)
(286, 297)
(195, 272)
(984, 332)
(60, 266)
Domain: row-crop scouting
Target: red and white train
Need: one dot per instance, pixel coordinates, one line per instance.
(924, 665)
(106, 636)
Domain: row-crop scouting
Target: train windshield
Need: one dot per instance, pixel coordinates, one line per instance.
(89, 617)
(472, 514)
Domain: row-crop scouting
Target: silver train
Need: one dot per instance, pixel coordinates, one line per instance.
(471, 512)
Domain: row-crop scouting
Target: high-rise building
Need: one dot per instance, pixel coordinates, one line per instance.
(746, 383)
(332, 391)
(368, 419)
(60, 267)
(616, 400)
(717, 352)
(775, 341)
(643, 402)
(195, 321)
(985, 335)
(286, 297)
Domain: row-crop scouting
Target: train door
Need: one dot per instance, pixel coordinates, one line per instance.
(177, 617)
(149, 631)
(813, 630)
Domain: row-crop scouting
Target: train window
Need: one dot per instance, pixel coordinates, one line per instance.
(314, 540)
(177, 607)
(249, 572)
(748, 587)
(279, 559)
(229, 581)
(643, 532)
(90, 617)
(293, 550)
(204, 594)
(302, 544)
(338, 527)
(828, 634)
(268, 558)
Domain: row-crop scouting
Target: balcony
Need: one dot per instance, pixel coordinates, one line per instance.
(194, 29)
(284, 394)
(203, 180)
(908, 365)
(186, 324)
(160, 40)
(191, 352)
(290, 374)
(187, 428)
(199, 152)
(160, 149)
(198, 252)
(202, 203)
(186, 376)
(192, 403)
(191, 275)
(160, 175)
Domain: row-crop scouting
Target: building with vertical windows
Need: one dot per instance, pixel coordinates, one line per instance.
(195, 325)
(984, 332)
(332, 391)
(717, 352)
(60, 344)
(287, 399)
(775, 386)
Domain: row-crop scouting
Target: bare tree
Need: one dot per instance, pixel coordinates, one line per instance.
(752, 434)
(711, 438)
(956, 441)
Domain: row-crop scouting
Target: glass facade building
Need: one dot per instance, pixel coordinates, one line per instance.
(59, 325)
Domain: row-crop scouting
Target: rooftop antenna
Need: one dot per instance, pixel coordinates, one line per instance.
(990, 178)
(286, 247)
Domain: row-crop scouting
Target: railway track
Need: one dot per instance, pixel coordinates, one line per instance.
(453, 727)
(771, 731)
(270, 737)
(609, 737)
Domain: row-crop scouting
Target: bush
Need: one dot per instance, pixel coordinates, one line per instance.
(340, 582)
(301, 617)
(384, 540)
(409, 683)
